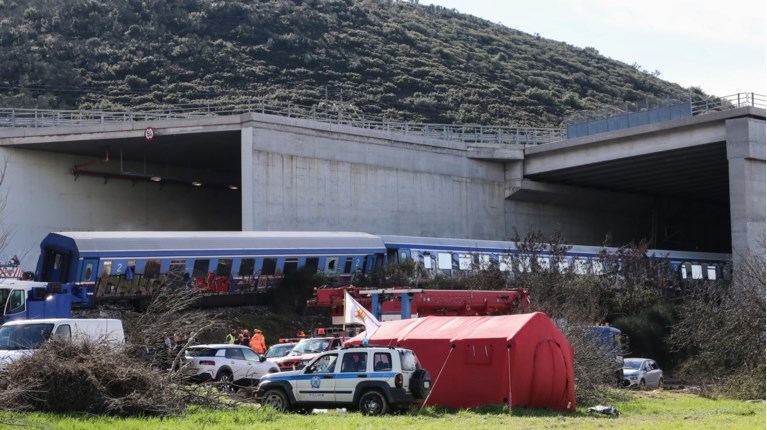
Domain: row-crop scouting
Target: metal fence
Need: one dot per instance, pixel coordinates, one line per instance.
(653, 110)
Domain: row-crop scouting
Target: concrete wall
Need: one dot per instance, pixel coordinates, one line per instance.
(310, 177)
(578, 224)
(42, 196)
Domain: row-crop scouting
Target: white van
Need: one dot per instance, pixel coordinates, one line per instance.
(20, 338)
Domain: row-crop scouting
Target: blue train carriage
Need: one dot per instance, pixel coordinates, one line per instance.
(449, 257)
(116, 264)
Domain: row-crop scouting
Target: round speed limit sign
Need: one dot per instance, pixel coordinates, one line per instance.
(149, 134)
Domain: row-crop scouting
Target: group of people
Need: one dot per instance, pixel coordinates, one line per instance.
(256, 342)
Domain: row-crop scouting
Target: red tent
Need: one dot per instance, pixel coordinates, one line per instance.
(516, 360)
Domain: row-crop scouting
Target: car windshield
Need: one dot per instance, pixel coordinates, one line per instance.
(632, 364)
(308, 346)
(279, 350)
(26, 336)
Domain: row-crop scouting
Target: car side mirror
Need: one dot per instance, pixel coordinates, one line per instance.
(261, 358)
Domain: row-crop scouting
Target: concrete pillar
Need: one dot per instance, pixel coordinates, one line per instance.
(746, 158)
(246, 180)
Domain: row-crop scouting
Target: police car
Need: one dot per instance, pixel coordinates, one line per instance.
(371, 379)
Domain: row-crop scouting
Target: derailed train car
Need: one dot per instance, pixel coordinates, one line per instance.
(135, 264)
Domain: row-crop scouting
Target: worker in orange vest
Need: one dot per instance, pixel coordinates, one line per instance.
(257, 342)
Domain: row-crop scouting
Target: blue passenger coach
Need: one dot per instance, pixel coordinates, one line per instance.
(130, 263)
(137, 263)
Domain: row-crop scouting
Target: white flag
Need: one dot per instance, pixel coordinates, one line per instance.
(356, 313)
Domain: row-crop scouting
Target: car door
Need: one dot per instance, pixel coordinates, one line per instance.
(652, 377)
(317, 382)
(236, 361)
(254, 368)
(353, 369)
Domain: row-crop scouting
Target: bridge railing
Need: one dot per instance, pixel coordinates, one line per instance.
(334, 113)
(331, 112)
(735, 101)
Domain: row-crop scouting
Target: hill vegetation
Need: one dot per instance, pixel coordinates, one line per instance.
(398, 60)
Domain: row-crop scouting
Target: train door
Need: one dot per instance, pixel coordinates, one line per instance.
(55, 265)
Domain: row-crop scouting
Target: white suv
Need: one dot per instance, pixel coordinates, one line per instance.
(233, 366)
(371, 379)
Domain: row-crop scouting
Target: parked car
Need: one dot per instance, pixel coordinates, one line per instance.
(371, 379)
(305, 351)
(233, 366)
(279, 350)
(641, 373)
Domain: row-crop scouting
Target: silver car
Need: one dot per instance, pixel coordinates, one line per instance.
(233, 366)
(641, 373)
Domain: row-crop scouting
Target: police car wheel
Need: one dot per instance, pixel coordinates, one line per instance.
(275, 399)
(373, 403)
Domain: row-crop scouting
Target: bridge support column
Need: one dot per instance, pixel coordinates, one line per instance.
(746, 160)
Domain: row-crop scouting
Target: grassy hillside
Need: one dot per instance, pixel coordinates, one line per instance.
(387, 58)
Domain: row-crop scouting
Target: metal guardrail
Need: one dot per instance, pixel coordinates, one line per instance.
(334, 113)
(347, 114)
(735, 101)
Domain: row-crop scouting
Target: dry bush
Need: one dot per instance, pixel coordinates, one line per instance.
(92, 377)
(169, 313)
(87, 377)
(722, 331)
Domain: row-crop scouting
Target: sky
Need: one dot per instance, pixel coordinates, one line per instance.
(717, 46)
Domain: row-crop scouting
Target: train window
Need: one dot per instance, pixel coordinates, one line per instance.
(543, 263)
(404, 255)
(444, 261)
(313, 262)
(524, 264)
(561, 264)
(331, 264)
(581, 265)
(427, 261)
(106, 270)
(269, 266)
(464, 262)
(201, 267)
(290, 265)
(224, 267)
(596, 267)
(348, 265)
(711, 272)
(697, 271)
(247, 265)
(176, 273)
(505, 263)
(484, 261)
(57, 262)
(152, 269)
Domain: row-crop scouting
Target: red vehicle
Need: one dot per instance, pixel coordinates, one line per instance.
(424, 302)
(305, 351)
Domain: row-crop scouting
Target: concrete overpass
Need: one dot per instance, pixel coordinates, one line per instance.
(694, 184)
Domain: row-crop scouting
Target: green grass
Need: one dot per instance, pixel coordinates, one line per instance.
(640, 410)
